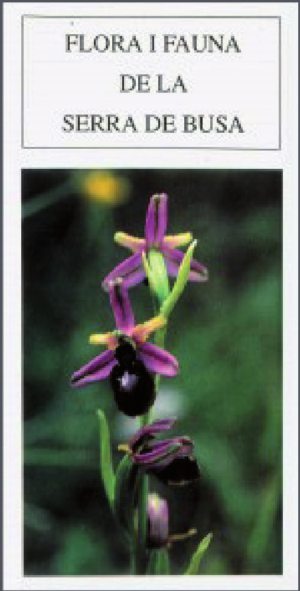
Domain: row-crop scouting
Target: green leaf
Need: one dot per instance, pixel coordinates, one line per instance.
(198, 555)
(148, 271)
(159, 563)
(264, 523)
(106, 467)
(180, 283)
(37, 204)
(124, 494)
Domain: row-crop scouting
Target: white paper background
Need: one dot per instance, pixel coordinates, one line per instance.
(15, 159)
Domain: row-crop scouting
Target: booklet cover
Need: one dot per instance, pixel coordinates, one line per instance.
(150, 295)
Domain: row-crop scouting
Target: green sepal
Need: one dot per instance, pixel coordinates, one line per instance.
(106, 465)
(148, 272)
(180, 283)
(159, 563)
(198, 555)
(155, 269)
(124, 496)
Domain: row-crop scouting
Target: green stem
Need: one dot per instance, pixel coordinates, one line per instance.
(140, 560)
(160, 342)
(141, 557)
(146, 418)
(132, 563)
(160, 288)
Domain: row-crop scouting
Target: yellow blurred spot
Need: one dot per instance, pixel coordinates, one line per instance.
(105, 187)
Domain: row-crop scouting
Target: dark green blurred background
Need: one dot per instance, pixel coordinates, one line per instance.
(226, 334)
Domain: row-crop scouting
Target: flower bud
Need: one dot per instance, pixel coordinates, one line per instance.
(158, 522)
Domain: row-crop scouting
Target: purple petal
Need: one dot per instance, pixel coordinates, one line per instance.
(97, 369)
(157, 454)
(187, 446)
(165, 461)
(150, 431)
(158, 360)
(131, 271)
(120, 304)
(156, 219)
(174, 259)
(163, 453)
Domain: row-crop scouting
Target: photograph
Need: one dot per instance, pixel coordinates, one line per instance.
(152, 371)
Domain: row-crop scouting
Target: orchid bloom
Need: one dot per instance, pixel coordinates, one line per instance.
(132, 269)
(148, 355)
(170, 460)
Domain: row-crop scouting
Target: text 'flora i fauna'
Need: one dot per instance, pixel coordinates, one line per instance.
(171, 43)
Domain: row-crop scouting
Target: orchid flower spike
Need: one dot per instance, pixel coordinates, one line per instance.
(170, 460)
(129, 361)
(132, 269)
